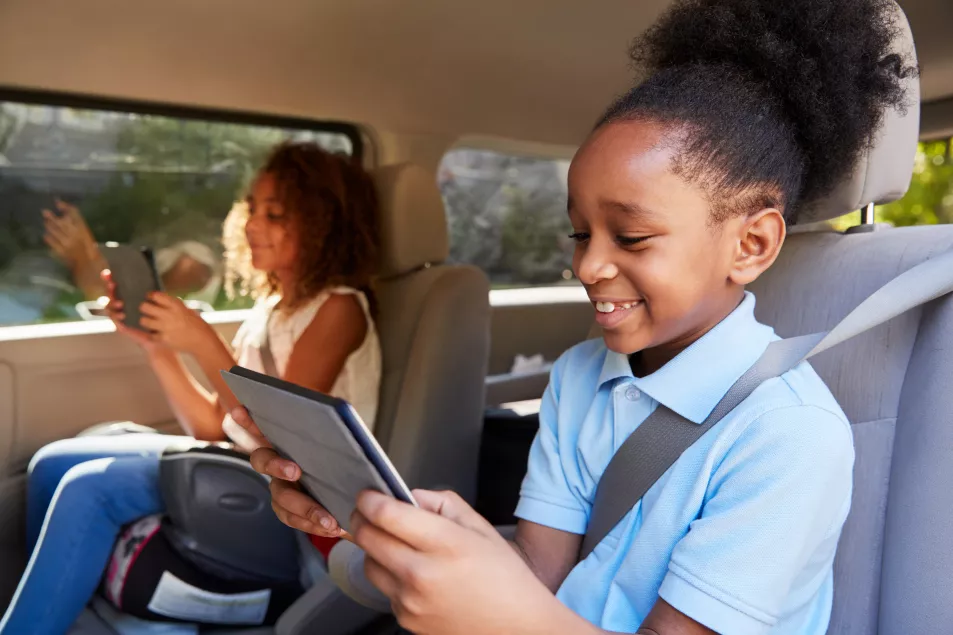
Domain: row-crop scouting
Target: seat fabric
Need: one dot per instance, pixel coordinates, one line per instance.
(892, 571)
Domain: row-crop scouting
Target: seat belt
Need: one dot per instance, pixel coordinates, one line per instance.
(664, 435)
(264, 349)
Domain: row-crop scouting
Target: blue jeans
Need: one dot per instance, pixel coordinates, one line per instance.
(80, 493)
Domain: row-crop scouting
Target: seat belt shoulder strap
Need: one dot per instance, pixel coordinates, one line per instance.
(664, 435)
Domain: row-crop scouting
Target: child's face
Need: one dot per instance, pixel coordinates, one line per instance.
(272, 235)
(658, 271)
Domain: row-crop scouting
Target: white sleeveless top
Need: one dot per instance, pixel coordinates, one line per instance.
(358, 383)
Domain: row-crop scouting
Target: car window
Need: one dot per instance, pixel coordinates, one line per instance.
(507, 216)
(929, 201)
(158, 180)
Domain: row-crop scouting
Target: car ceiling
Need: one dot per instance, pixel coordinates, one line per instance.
(534, 70)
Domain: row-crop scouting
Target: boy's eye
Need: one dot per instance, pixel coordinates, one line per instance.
(628, 241)
(579, 237)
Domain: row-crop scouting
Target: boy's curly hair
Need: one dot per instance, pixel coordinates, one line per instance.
(333, 201)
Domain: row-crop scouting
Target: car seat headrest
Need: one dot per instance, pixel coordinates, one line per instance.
(413, 224)
(882, 173)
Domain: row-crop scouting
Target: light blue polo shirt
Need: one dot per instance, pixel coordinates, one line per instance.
(740, 532)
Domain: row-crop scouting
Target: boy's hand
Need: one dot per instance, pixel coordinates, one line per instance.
(447, 571)
(292, 506)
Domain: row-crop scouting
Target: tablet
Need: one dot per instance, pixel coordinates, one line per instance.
(134, 274)
(338, 455)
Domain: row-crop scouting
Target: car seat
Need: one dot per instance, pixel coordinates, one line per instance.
(893, 564)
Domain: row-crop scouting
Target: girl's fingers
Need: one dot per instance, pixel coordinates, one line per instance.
(149, 323)
(266, 461)
(163, 300)
(294, 507)
(152, 310)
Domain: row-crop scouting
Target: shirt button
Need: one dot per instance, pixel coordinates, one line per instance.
(632, 393)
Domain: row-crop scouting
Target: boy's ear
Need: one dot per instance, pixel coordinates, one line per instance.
(760, 237)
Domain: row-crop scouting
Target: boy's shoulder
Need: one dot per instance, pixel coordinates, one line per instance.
(797, 394)
(580, 366)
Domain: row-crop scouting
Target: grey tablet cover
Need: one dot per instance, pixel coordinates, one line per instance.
(335, 468)
(134, 275)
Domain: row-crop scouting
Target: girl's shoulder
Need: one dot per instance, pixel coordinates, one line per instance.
(305, 313)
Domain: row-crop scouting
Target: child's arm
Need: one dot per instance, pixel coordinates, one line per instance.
(337, 330)
(549, 553)
(446, 571)
(196, 409)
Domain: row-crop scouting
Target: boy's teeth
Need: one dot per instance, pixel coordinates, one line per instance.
(609, 307)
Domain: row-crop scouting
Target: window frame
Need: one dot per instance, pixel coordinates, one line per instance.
(194, 113)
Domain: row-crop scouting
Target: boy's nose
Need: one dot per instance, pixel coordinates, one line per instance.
(594, 265)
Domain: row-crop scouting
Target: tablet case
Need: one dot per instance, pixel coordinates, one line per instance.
(307, 428)
(133, 272)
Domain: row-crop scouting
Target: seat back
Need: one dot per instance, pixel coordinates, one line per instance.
(892, 571)
(434, 324)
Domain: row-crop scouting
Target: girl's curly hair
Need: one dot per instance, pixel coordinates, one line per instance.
(333, 203)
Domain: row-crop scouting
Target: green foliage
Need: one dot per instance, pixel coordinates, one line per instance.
(929, 200)
(534, 237)
(159, 143)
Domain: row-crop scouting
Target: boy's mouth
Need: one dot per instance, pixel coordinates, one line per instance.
(610, 314)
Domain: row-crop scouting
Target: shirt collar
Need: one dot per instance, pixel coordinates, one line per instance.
(695, 381)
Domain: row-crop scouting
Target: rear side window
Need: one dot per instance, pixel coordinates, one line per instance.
(507, 216)
(165, 180)
(929, 201)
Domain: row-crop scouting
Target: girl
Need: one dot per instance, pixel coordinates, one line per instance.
(305, 243)
(678, 199)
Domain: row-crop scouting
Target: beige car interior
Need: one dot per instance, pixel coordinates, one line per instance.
(527, 78)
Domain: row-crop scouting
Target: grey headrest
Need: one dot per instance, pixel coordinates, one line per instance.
(883, 172)
(413, 222)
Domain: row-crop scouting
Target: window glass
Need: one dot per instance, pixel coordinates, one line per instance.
(507, 216)
(929, 201)
(164, 182)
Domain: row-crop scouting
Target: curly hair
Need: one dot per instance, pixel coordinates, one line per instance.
(771, 101)
(333, 203)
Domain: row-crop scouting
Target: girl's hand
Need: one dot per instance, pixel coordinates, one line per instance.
(70, 239)
(114, 309)
(447, 571)
(292, 506)
(68, 236)
(175, 325)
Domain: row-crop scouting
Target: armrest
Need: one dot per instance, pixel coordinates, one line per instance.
(326, 609)
(346, 568)
(509, 387)
(221, 515)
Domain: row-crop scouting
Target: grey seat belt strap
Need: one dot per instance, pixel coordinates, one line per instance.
(267, 357)
(664, 435)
